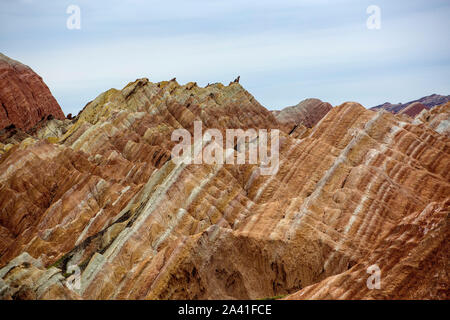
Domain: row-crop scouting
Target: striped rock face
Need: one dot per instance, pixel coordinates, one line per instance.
(413, 109)
(105, 199)
(437, 118)
(307, 113)
(24, 97)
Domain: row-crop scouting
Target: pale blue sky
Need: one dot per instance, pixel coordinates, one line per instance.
(284, 50)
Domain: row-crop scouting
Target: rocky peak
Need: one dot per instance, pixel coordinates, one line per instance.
(24, 98)
(307, 113)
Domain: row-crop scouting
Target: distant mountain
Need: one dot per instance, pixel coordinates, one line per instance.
(428, 101)
(308, 113)
(413, 109)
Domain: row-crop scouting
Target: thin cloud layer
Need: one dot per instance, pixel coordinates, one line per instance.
(285, 51)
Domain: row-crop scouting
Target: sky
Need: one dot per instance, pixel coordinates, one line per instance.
(284, 50)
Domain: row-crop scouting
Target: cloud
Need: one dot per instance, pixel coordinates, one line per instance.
(284, 51)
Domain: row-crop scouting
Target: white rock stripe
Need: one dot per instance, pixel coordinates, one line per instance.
(328, 175)
(98, 261)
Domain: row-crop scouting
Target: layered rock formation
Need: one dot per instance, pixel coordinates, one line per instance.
(105, 198)
(429, 102)
(412, 259)
(48, 128)
(438, 119)
(24, 98)
(413, 109)
(305, 114)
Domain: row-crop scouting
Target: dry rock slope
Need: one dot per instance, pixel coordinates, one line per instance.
(360, 187)
(307, 114)
(24, 98)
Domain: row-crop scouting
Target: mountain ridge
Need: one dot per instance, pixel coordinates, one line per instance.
(24, 97)
(101, 194)
(428, 101)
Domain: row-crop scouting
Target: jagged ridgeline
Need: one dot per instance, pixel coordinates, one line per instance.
(103, 197)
